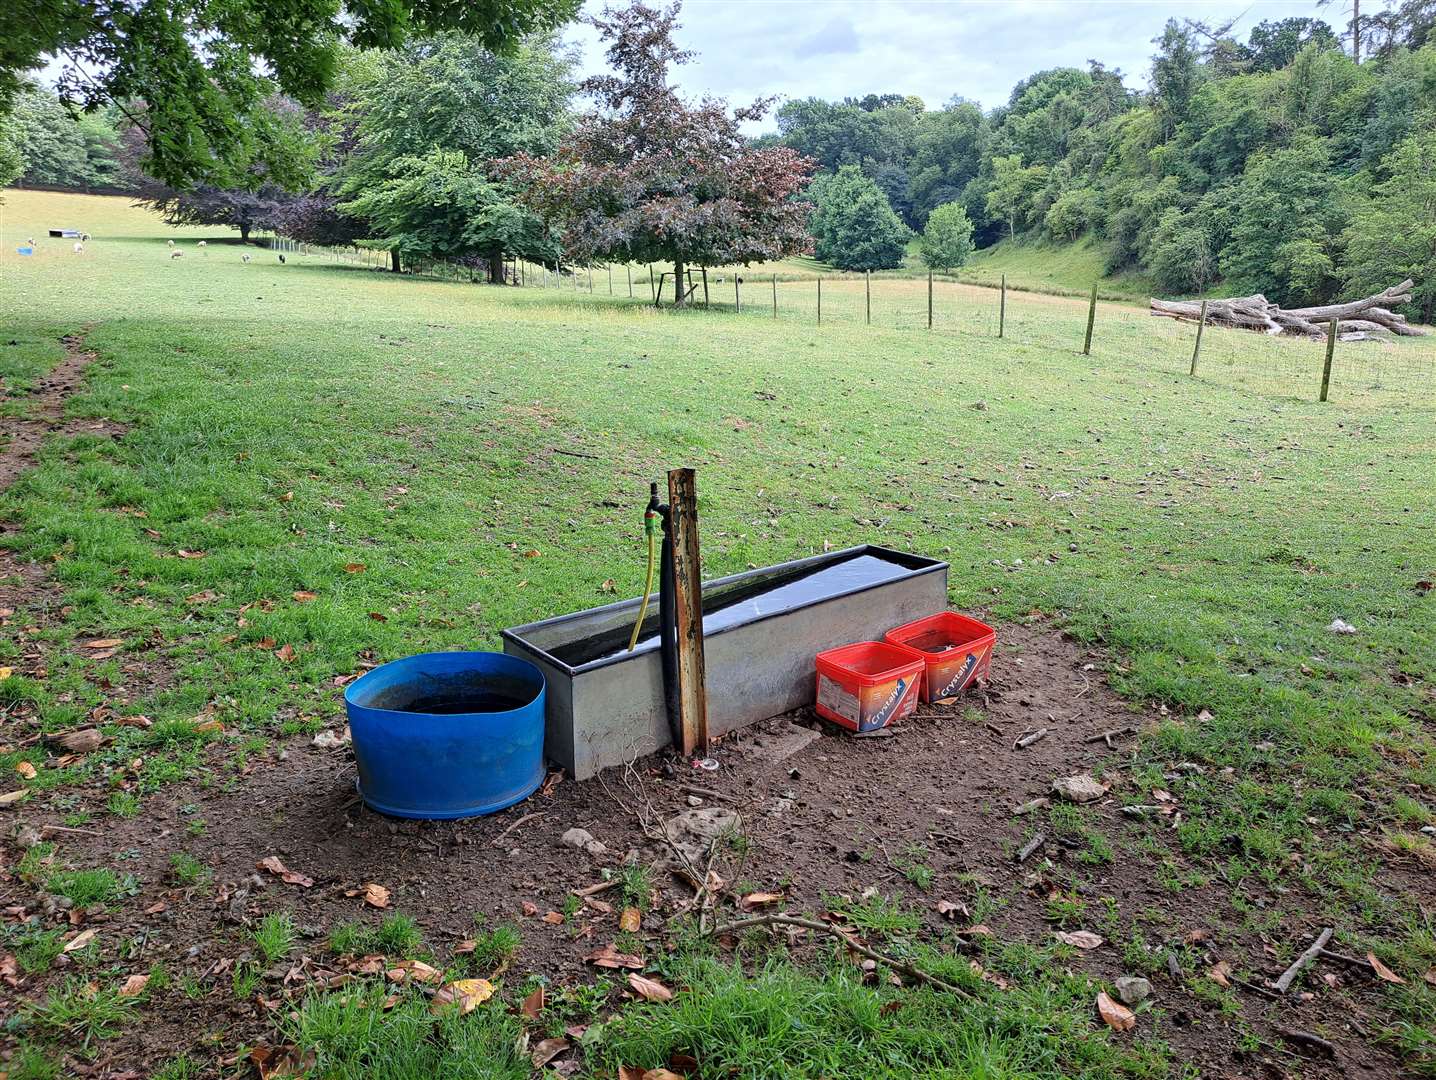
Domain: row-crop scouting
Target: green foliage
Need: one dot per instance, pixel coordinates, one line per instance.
(80, 1011)
(853, 224)
(1013, 189)
(274, 936)
(1393, 235)
(60, 149)
(87, 887)
(947, 238)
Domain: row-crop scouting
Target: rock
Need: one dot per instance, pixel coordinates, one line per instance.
(1133, 988)
(576, 838)
(1082, 788)
(693, 831)
(596, 848)
(330, 740)
(694, 800)
(27, 836)
(1341, 626)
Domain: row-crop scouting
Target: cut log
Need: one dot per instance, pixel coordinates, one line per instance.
(1357, 319)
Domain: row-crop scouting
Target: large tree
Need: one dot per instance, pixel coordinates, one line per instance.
(855, 226)
(650, 177)
(1393, 235)
(194, 73)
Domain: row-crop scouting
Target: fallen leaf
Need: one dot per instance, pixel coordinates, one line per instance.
(25, 769)
(10, 798)
(1078, 939)
(950, 910)
(661, 1074)
(285, 653)
(610, 957)
(354, 568)
(553, 918)
(648, 989)
(81, 741)
(183, 554)
(134, 986)
(407, 971)
(466, 946)
(977, 969)
(105, 643)
(281, 1062)
(139, 720)
(608, 586)
(157, 907)
(467, 994)
(755, 900)
(980, 930)
(80, 940)
(630, 920)
(1220, 973)
(288, 496)
(276, 867)
(376, 895)
(5, 673)
(1195, 936)
(1430, 976)
(203, 597)
(532, 553)
(304, 596)
(378, 616)
(1384, 973)
(532, 1005)
(547, 1050)
(529, 908)
(209, 725)
(1115, 1016)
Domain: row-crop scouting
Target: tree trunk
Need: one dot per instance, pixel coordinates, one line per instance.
(679, 284)
(244, 232)
(496, 267)
(1259, 313)
(394, 264)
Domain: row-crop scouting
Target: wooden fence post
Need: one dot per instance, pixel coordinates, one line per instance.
(1330, 355)
(868, 291)
(929, 299)
(737, 301)
(1002, 308)
(705, 288)
(1197, 348)
(820, 299)
(590, 279)
(650, 285)
(775, 296)
(610, 279)
(628, 273)
(688, 605)
(1091, 318)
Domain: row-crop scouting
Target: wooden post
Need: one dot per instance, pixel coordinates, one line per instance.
(1197, 348)
(688, 604)
(929, 299)
(820, 299)
(628, 272)
(1330, 355)
(659, 293)
(590, 279)
(737, 301)
(650, 284)
(1002, 307)
(1091, 318)
(868, 292)
(705, 288)
(775, 296)
(610, 279)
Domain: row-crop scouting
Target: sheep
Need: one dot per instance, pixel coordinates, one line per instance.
(202, 247)
(281, 257)
(79, 248)
(171, 243)
(176, 254)
(244, 259)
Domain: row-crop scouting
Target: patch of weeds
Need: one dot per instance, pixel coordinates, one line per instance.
(196, 827)
(1410, 811)
(882, 915)
(183, 1067)
(29, 1062)
(76, 819)
(398, 935)
(85, 888)
(191, 987)
(576, 1003)
(34, 865)
(914, 868)
(35, 949)
(187, 870)
(494, 949)
(636, 886)
(274, 936)
(125, 804)
(1065, 910)
(81, 1012)
(245, 980)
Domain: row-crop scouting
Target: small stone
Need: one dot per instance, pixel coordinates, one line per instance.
(694, 800)
(596, 848)
(1132, 989)
(576, 838)
(1341, 626)
(330, 740)
(1082, 788)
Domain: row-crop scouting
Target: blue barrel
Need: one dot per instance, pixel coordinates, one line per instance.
(448, 735)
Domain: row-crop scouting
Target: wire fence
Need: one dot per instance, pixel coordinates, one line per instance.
(1381, 373)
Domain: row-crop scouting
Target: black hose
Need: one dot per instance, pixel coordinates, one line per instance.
(668, 627)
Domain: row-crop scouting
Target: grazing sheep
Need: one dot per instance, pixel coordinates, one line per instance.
(79, 248)
(244, 259)
(281, 257)
(171, 243)
(84, 238)
(202, 247)
(176, 254)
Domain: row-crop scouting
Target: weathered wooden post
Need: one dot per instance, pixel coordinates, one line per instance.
(688, 605)
(1197, 348)
(650, 284)
(610, 279)
(868, 290)
(1330, 355)
(628, 273)
(1091, 318)
(590, 278)
(1002, 307)
(929, 299)
(737, 302)
(820, 299)
(775, 296)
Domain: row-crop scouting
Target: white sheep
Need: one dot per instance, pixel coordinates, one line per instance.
(176, 254)
(244, 259)
(202, 246)
(171, 243)
(79, 248)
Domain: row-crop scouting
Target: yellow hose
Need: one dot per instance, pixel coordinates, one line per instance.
(647, 589)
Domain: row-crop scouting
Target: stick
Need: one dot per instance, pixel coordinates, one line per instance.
(594, 890)
(1283, 984)
(1108, 736)
(1027, 740)
(856, 946)
(1354, 961)
(496, 841)
(707, 793)
(1255, 989)
(577, 453)
(1306, 1038)
(1031, 846)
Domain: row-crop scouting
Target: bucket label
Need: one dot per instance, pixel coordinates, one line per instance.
(887, 702)
(950, 679)
(838, 699)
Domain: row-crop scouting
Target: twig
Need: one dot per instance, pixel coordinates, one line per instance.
(594, 890)
(1031, 846)
(993, 728)
(577, 453)
(1306, 1038)
(496, 841)
(1108, 736)
(707, 793)
(1027, 740)
(856, 946)
(1255, 989)
(1086, 684)
(89, 832)
(1354, 961)
(1283, 984)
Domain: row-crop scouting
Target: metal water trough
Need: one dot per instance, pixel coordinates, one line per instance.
(762, 630)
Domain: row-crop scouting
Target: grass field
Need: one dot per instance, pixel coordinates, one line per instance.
(290, 423)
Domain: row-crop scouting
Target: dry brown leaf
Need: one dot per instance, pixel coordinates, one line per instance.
(610, 957)
(25, 769)
(1384, 973)
(630, 1072)
(209, 725)
(1078, 939)
(648, 989)
(304, 596)
(1195, 936)
(204, 596)
(662, 1074)
(281, 1062)
(410, 971)
(376, 895)
(950, 910)
(532, 1005)
(467, 994)
(547, 1050)
(10, 798)
(79, 941)
(139, 720)
(183, 554)
(354, 568)
(468, 945)
(134, 986)
(273, 864)
(980, 930)
(529, 908)
(755, 900)
(554, 918)
(630, 920)
(285, 653)
(105, 643)
(1116, 1016)
(1220, 973)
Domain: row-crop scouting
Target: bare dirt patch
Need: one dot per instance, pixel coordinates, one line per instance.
(824, 817)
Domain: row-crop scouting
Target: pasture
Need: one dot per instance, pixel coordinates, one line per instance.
(320, 466)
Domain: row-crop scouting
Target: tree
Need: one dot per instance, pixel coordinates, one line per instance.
(853, 223)
(1176, 72)
(1393, 236)
(650, 177)
(61, 150)
(193, 74)
(947, 239)
(1274, 45)
(12, 162)
(1013, 187)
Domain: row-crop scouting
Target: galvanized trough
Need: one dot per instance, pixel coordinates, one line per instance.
(762, 629)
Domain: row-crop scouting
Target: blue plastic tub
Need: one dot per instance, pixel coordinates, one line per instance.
(448, 735)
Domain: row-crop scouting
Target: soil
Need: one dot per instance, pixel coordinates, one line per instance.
(827, 815)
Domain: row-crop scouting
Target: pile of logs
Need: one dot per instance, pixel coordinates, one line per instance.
(1357, 320)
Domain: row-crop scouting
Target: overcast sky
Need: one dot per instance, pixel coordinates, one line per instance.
(935, 49)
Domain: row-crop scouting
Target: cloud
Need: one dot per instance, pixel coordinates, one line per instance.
(837, 37)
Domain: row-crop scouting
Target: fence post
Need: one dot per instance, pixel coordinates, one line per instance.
(650, 284)
(737, 302)
(929, 299)
(1197, 348)
(628, 272)
(1091, 318)
(1330, 355)
(1002, 308)
(775, 296)
(868, 292)
(820, 299)
(610, 279)
(590, 280)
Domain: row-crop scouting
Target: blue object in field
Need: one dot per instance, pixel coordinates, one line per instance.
(25, 251)
(448, 735)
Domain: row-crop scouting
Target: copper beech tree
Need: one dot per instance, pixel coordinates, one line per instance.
(649, 177)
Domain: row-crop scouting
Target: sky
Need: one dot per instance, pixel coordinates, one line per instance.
(976, 49)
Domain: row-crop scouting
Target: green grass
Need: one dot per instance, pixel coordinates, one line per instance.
(274, 937)
(396, 936)
(1062, 269)
(85, 888)
(1203, 532)
(81, 1013)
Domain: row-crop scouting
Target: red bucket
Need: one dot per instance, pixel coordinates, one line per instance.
(867, 686)
(955, 649)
